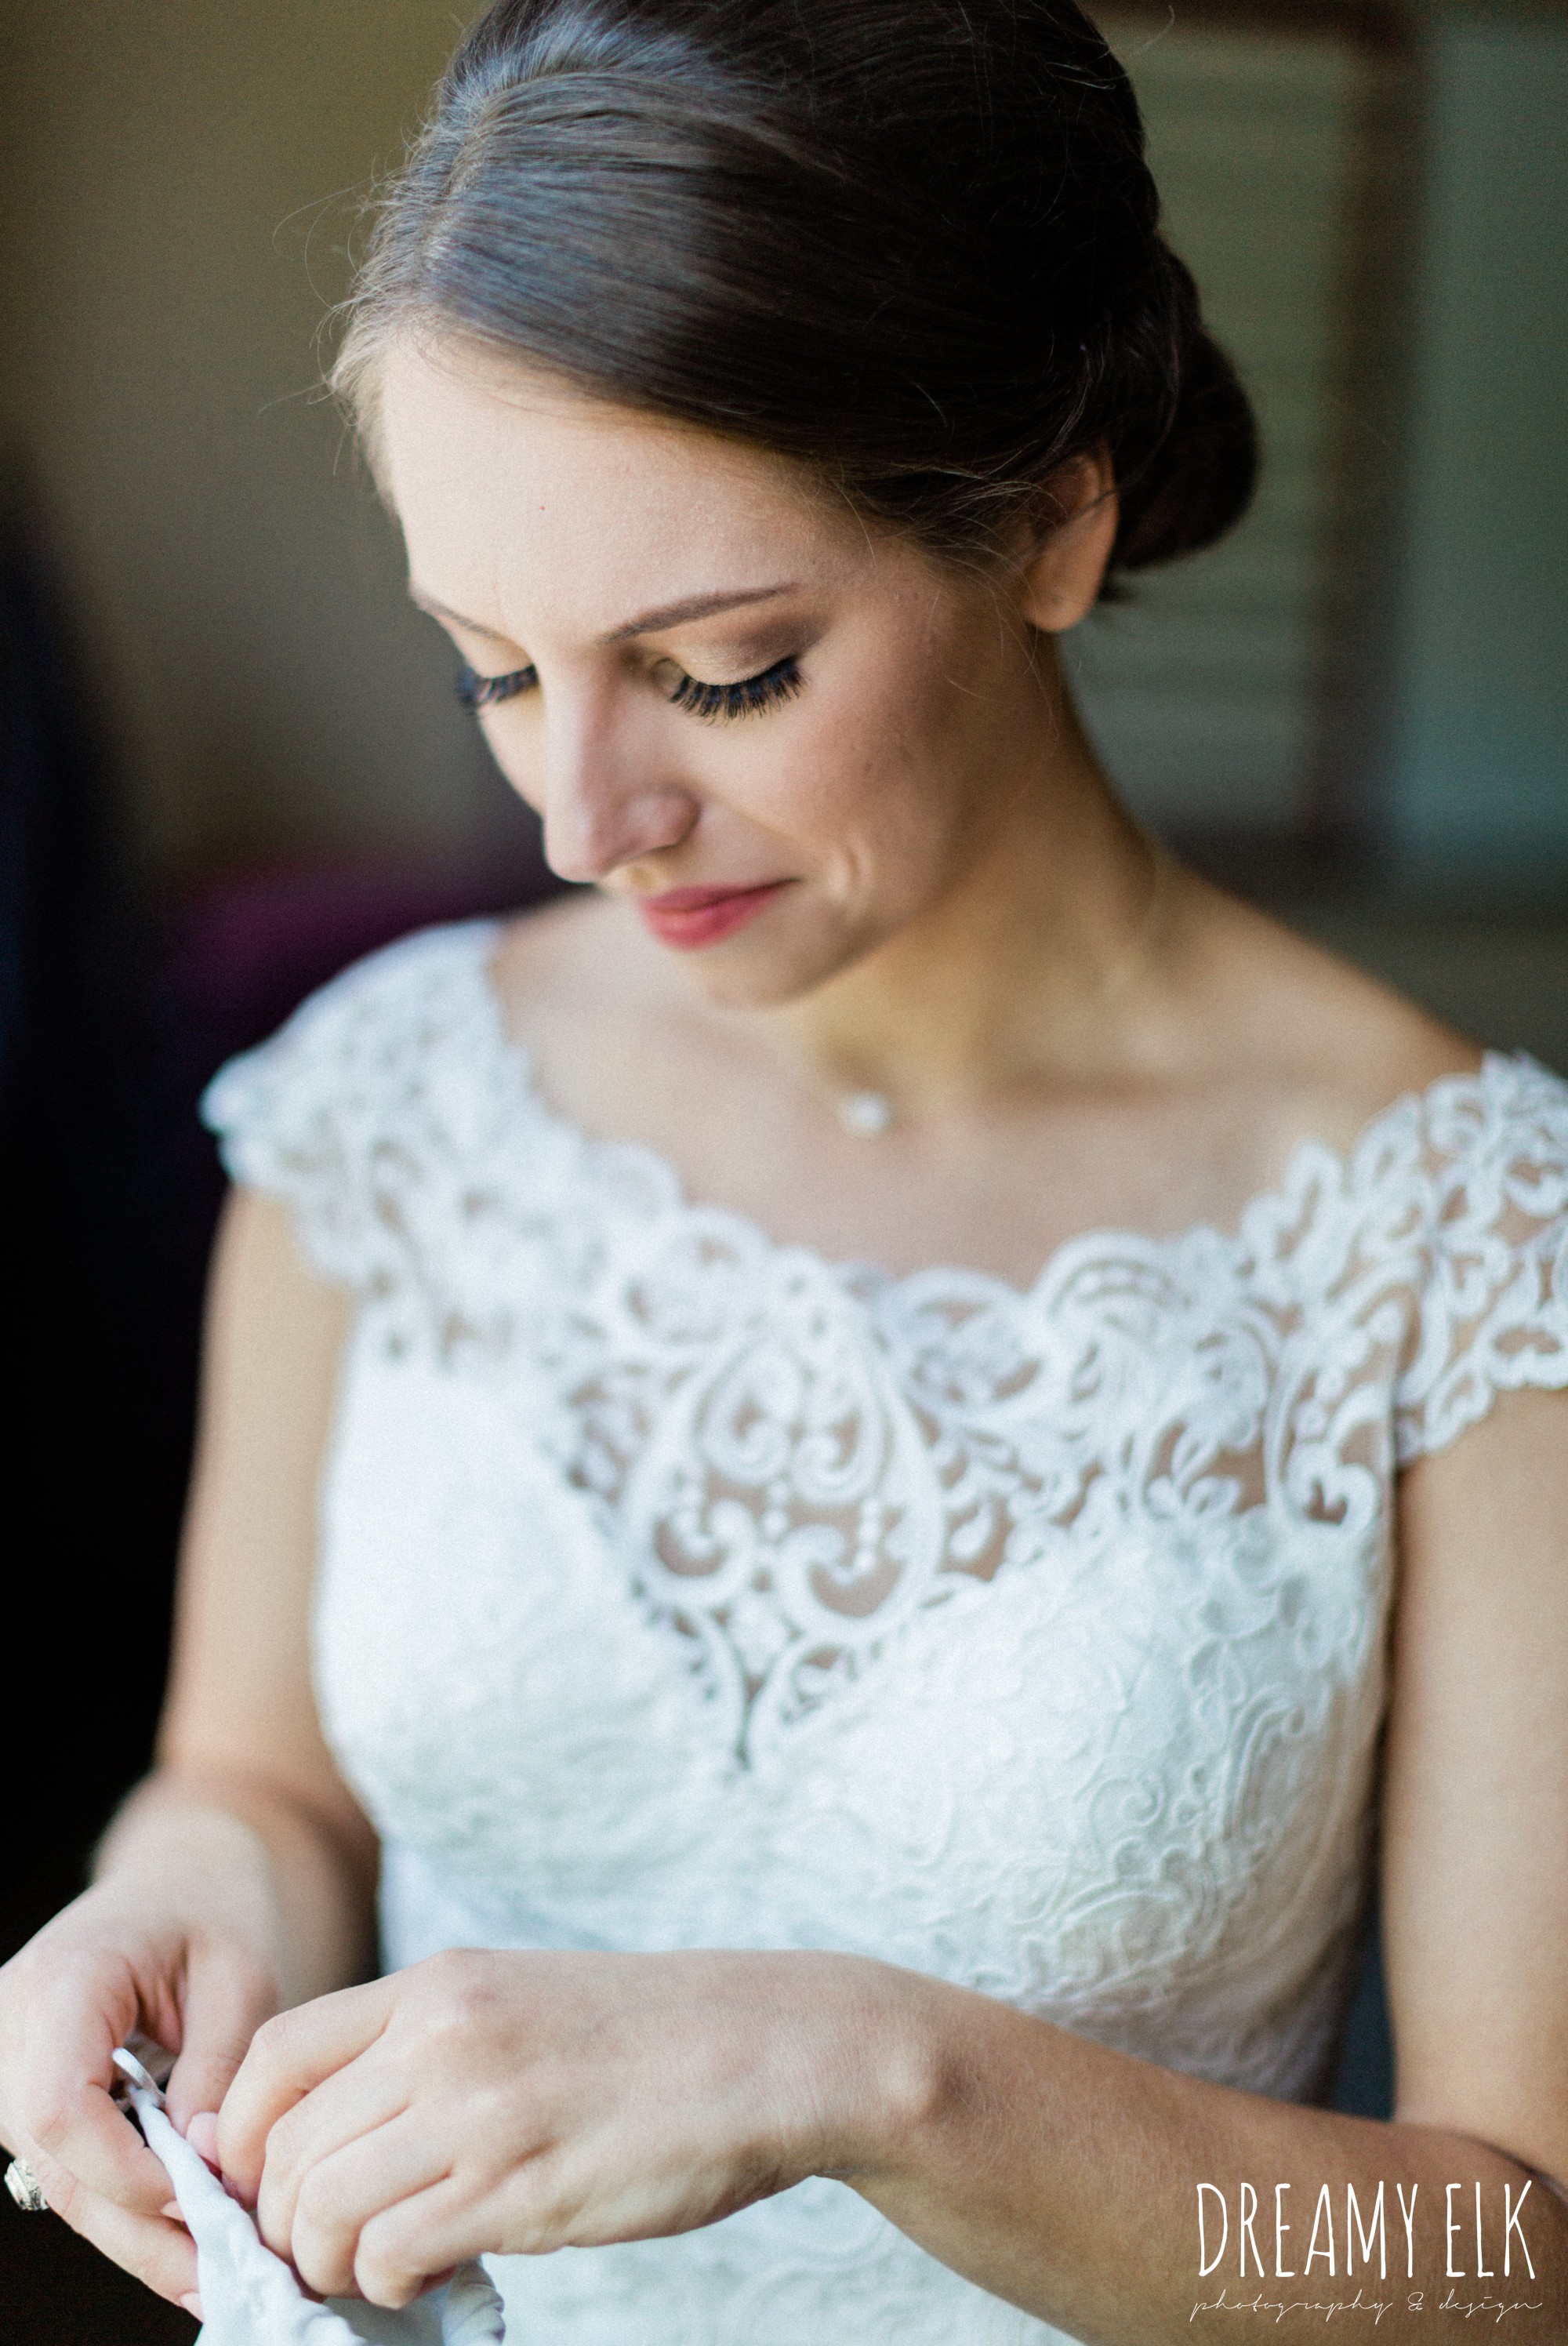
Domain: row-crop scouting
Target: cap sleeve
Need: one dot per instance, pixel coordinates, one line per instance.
(317, 1115)
(1494, 1313)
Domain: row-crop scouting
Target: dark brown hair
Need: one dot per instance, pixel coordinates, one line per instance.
(913, 244)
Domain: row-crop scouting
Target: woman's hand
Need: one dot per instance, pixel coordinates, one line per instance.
(122, 1958)
(518, 2102)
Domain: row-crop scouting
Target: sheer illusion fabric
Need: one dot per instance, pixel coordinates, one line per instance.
(682, 1588)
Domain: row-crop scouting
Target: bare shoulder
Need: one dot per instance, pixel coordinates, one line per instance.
(564, 960)
(584, 995)
(1333, 1044)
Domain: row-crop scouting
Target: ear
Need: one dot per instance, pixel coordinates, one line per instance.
(1062, 578)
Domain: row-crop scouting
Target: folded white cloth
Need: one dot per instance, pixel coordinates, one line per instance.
(249, 2297)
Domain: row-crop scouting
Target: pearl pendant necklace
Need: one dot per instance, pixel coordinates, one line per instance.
(868, 1115)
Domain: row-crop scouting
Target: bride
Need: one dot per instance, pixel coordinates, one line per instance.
(838, 1476)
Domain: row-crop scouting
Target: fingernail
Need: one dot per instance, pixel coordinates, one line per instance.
(192, 2305)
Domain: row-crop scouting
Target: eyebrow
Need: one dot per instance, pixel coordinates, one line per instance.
(425, 602)
(696, 606)
(647, 623)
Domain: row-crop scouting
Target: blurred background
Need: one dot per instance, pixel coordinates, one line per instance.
(230, 760)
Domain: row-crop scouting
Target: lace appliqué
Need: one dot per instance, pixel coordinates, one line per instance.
(796, 1458)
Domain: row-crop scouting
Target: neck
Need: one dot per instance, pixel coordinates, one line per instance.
(1021, 970)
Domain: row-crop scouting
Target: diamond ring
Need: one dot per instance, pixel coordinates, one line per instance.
(26, 2188)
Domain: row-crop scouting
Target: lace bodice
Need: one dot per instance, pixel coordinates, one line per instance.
(679, 1587)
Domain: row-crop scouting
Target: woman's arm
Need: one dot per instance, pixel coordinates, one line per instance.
(237, 1880)
(522, 2102)
(239, 1729)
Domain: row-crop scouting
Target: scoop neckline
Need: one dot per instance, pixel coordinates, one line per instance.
(592, 1151)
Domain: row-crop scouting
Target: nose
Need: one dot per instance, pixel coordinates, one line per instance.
(604, 801)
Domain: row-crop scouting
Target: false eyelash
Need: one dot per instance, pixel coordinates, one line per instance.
(476, 691)
(753, 694)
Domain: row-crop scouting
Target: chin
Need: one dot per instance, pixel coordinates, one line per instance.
(754, 973)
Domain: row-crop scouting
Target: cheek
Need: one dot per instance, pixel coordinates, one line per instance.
(877, 782)
(515, 737)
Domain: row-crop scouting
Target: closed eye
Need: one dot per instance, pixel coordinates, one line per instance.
(749, 697)
(476, 691)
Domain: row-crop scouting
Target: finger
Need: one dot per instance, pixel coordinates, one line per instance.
(61, 2103)
(288, 2057)
(159, 2252)
(351, 2103)
(89, 2143)
(428, 2233)
(346, 2190)
(225, 2002)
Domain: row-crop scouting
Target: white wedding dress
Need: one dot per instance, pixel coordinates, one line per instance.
(682, 1588)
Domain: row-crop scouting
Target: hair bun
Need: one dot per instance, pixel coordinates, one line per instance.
(1195, 477)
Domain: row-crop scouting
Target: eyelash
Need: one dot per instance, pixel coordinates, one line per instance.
(476, 691)
(750, 697)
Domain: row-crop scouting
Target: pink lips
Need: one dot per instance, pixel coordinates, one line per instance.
(689, 917)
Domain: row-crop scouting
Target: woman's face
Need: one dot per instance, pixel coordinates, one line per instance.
(780, 735)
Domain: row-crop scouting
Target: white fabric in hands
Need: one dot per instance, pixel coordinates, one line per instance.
(251, 2298)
